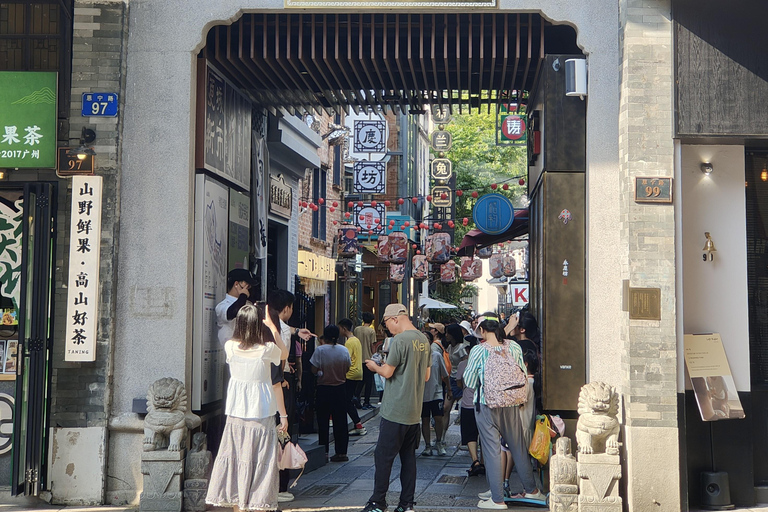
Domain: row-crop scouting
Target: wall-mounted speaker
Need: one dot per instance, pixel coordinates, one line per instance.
(576, 77)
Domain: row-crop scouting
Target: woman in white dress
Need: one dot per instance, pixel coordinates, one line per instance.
(245, 473)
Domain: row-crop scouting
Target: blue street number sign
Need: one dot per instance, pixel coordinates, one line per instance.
(102, 104)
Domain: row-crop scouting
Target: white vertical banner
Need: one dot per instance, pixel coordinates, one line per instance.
(84, 256)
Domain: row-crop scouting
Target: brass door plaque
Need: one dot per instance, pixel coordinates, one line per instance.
(645, 303)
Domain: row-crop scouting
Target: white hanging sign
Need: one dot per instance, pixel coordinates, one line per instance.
(84, 249)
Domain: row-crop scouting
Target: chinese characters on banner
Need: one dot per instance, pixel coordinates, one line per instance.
(84, 245)
(370, 177)
(370, 136)
(28, 121)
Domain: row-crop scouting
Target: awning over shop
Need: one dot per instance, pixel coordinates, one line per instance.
(426, 302)
(476, 238)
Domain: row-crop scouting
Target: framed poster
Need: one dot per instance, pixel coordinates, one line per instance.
(711, 378)
(9, 361)
(210, 282)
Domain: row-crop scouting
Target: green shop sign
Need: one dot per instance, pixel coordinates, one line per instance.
(27, 119)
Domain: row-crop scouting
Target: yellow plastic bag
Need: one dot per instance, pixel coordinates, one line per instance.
(541, 440)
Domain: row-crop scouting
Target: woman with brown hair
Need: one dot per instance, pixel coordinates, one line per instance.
(245, 473)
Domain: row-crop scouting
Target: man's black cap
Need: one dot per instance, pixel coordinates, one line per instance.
(241, 274)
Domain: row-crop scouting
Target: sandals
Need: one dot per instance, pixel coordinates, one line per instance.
(477, 468)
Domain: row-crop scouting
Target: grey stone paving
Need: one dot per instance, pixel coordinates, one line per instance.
(442, 482)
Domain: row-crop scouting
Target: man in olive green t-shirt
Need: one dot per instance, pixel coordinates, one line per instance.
(406, 371)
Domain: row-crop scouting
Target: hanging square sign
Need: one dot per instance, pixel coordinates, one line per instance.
(28, 121)
(370, 218)
(370, 177)
(441, 169)
(441, 140)
(441, 114)
(370, 136)
(84, 248)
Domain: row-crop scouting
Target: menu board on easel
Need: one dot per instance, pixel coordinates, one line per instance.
(711, 378)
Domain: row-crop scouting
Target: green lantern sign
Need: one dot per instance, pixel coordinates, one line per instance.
(27, 119)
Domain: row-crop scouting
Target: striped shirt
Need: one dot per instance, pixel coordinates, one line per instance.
(474, 374)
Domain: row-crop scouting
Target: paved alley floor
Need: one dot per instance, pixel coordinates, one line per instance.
(442, 482)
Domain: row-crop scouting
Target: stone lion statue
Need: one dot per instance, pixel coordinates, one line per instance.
(167, 417)
(597, 430)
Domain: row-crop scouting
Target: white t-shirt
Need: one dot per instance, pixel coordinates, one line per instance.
(285, 334)
(226, 327)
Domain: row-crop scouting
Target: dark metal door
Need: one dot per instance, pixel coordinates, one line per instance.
(33, 380)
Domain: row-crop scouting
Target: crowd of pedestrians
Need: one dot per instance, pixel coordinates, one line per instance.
(487, 369)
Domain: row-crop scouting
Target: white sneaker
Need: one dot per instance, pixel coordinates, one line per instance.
(283, 497)
(485, 495)
(538, 496)
(358, 432)
(440, 448)
(490, 504)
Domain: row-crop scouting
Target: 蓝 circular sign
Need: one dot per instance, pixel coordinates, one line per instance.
(493, 214)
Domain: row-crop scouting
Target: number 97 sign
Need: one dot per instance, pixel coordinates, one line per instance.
(102, 104)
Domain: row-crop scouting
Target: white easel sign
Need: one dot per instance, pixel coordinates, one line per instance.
(83, 287)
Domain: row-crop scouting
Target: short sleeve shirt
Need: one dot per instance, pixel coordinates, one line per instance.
(433, 389)
(367, 337)
(457, 353)
(355, 355)
(410, 354)
(226, 327)
(332, 362)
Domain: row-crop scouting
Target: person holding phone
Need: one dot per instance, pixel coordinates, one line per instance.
(245, 472)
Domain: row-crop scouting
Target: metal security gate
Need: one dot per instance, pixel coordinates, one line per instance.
(33, 379)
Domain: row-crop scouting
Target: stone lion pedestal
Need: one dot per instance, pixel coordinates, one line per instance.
(162, 472)
(599, 463)
(165, 433)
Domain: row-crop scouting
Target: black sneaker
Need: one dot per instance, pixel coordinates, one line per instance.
(374, 507)
(404, 508)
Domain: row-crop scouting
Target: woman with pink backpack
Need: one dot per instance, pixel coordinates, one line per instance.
(496, 371)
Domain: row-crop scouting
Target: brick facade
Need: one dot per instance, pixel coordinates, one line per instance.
(81, 391)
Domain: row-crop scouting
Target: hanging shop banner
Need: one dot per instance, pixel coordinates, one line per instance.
(84, 257)
(493, 214)
(420, 268)
(497, 265)
(383, 248)
(711, 377)
(398, 247)
(471, 268)
(448, 272)
(210, 283)
(370, 136)
(441, 169)
(441, 141)
(396, 273)
(239, 229)
(444, 210)
(438, 247)
(223, 144)
(370, 177)
(442, 196)
(348, 245)
(370, 218)
(28, 119)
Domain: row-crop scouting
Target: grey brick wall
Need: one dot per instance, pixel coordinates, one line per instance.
(649, 358)
(81, 391)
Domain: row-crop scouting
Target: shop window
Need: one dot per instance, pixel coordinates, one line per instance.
(319, 179)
